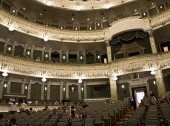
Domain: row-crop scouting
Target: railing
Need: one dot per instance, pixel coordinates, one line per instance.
(50, 33)
(160, 19)
(62, 71)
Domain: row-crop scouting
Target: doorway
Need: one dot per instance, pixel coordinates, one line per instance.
(138, 94)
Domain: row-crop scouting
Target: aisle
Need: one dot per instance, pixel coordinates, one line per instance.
(125, 118)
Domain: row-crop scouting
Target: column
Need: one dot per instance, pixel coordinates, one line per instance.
(42, 91)
(1, 88)
(48, 91)
(152, 42)
(42, 55)
(113, 89)
(95, 57)
(8, 86)
(85, 90)
(32, 51)
(67, 90)
(84, 56)
(67, 56)
(50, 54)
(79, 91)
(61, 91)
(13, 49)
(78, 56)
(25, 49)
(23, 86)
(61, 55)
(109, 52)
(29, 90)
(5, 47)
(160, 83)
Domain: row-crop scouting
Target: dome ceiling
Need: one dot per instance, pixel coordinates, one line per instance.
(84, 4)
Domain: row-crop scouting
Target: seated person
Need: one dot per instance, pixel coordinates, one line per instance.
(73, 114)
(13, 107)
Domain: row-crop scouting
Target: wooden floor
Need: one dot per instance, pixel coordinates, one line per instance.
(125, 117)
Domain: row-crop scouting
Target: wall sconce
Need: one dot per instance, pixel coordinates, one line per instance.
(81, 57)
(45, 88)
(154, 82)
(46, 55)
(5, 85)
(64, 89)
(28, 52)
(82, 88)
(64, 57)
(9, 48)
(123, 86)
(72, 89)
(26, 87)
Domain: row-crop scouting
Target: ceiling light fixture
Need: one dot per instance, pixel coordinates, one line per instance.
(11, 28)
(115, 78)
(80, 81)
(4, 74)
(45, 38)
(44, 79)
(153, 72)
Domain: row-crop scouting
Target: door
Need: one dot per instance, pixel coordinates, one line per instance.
(138, 94)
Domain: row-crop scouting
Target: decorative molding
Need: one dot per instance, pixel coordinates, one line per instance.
(141, 63)
(125, 24)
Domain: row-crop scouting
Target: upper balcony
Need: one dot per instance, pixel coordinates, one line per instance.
(144, 19)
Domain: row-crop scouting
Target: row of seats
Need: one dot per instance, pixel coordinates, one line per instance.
(98, 112)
